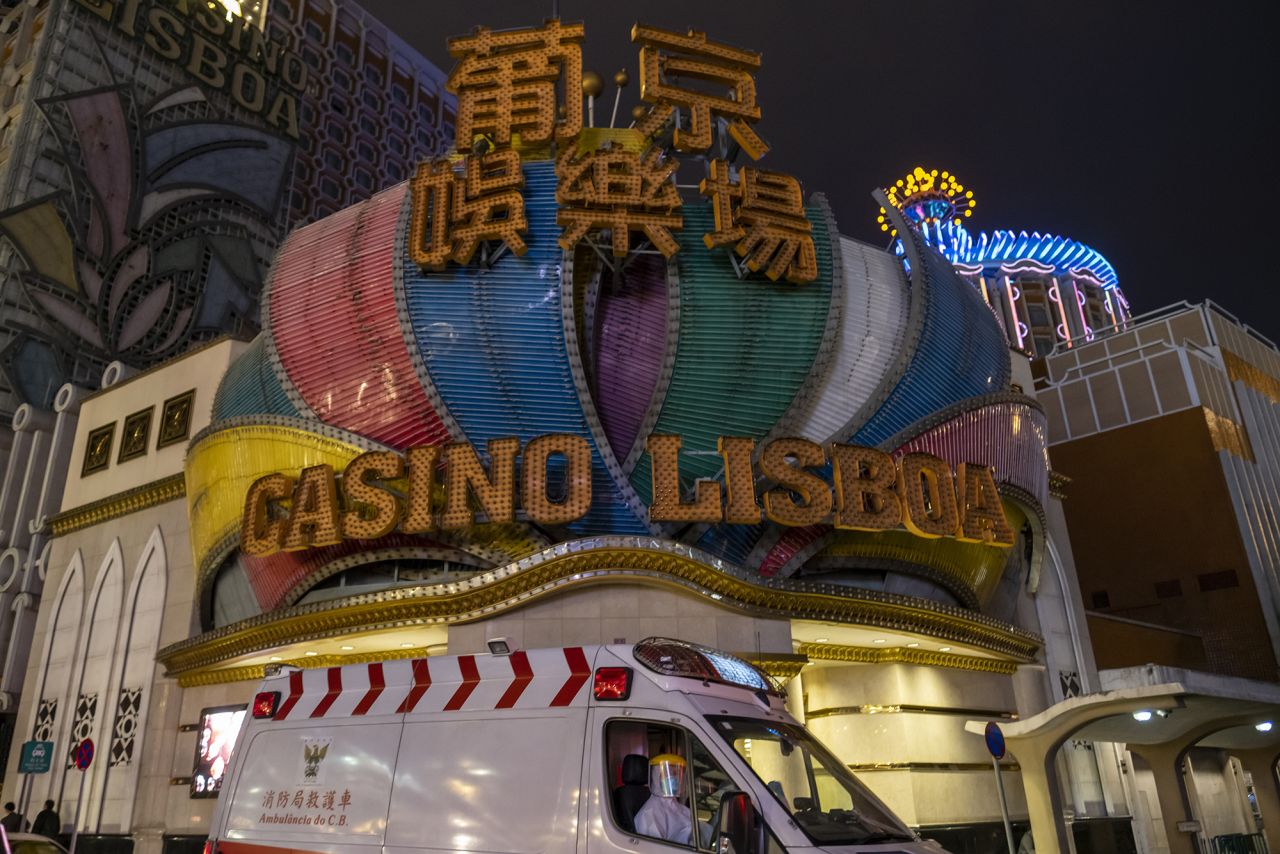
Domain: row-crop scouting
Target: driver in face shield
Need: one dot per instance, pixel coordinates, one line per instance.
(666, 814)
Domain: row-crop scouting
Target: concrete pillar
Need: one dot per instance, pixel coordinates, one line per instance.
(1039, 760)
(1169, 773)
(1261, 764)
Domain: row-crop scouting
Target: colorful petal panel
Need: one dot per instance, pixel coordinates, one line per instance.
(869, 341)
(746, 349)
(332, 313)
(630, 337)
(955, 349)
(495, 343)
(222, 463)
(1010, 436)
(251, 387)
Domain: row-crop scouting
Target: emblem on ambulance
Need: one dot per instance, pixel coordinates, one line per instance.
(313, 753)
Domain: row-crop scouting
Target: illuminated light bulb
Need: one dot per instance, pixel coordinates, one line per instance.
(1142, 717)
(944, 649)
(1265, 726)
(969, 195)
(968, 213)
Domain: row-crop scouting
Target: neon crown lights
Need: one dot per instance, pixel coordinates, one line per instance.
(926, 197)
(934, 201)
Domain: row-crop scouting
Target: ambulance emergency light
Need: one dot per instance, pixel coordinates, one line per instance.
(670, 657)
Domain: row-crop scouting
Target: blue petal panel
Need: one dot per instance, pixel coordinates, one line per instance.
(960, 353)
(250, 387)
(493, 342)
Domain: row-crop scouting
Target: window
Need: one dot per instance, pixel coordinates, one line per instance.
(1218, 580)
(1038, 315)
(1101, 599)
(630, 745)
(818, 791)
(1168, 589)
(315, 32)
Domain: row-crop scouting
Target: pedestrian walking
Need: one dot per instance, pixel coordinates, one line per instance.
(12, 821)
(47, 821)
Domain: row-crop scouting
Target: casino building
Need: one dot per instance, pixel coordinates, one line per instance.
(541, 393)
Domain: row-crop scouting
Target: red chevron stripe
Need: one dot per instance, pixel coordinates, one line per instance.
(470, 678)
(335, 688)
(376, 683)
(524, 675)
(421, 682)
(295, 693)
(579, 673)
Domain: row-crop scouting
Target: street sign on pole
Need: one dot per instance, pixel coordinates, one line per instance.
(84, 754)
(996, 747)
(83, 757)
(37, 757)
(995, 740)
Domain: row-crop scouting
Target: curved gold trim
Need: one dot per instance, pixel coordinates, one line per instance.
(113, 507)
(904, 655)
(256, 672)
(585, 562)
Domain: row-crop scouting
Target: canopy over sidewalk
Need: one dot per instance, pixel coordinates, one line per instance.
(1188, 709)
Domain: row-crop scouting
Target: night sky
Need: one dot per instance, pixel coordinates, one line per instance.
(1135, 127)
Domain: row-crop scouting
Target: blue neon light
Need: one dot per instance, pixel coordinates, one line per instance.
(955, 242)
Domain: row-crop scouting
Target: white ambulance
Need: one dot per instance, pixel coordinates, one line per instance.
(660, 747)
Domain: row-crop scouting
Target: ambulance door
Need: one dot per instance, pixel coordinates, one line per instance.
(496, 781)
(615, 734)
(318, 785)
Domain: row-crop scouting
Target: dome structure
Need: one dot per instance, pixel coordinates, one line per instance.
(361, 350)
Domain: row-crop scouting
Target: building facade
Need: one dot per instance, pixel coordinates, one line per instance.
(152, 158)
(1185, 398)
(124, 238)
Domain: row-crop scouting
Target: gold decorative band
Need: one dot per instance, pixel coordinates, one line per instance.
(122, 504)
(932, 766)
(255, 672)
(904, 655)
(597, 560)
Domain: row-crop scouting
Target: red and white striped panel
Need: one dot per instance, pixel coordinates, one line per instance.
(540, 679)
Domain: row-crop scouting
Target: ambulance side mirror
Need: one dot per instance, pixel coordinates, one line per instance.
(740, 829)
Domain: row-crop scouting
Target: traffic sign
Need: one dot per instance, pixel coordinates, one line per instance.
(995, 740)
(84, 753)
(37, 757)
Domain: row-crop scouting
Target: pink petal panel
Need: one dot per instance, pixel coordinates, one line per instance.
(332, 313)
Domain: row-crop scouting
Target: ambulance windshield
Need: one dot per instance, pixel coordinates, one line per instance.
(816, 789)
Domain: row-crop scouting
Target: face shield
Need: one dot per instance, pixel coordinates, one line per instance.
(666, 776)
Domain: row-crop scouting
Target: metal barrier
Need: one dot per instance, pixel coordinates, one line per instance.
(1239, 843)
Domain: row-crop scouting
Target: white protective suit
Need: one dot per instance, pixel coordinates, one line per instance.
(664, 818)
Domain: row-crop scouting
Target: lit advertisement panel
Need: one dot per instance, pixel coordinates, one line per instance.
(219, 727)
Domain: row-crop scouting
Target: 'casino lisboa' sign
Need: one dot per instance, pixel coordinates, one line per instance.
(448, 488)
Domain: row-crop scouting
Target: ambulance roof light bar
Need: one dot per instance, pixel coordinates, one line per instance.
(670, 657)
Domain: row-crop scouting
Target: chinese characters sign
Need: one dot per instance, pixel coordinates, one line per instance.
(519, 97)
